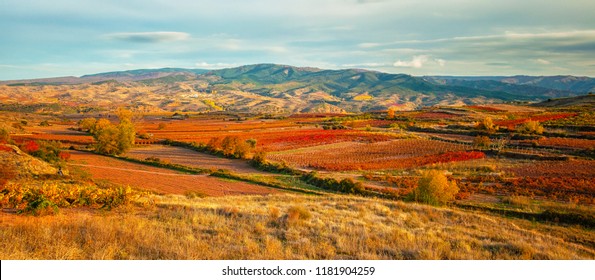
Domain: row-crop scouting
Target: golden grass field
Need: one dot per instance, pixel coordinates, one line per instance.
(283, 227)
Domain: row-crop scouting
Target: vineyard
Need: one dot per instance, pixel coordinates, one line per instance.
(566, 143)
(510, 124)
(396, 154)
(583, 169)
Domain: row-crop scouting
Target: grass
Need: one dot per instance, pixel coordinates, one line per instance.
(283, 227)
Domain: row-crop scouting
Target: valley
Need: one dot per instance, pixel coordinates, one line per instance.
(279, 162)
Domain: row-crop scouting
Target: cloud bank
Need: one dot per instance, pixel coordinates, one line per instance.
(149, 37)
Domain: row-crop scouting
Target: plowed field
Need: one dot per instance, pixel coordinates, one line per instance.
(160, 180)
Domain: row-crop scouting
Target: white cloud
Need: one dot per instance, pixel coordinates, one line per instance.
(364, 65)
(440, 62)
(368, 45)
(416, 62)
(543, 61)
(149, 37)
(219, 65)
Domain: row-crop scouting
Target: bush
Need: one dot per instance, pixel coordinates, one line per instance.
(434, 188)
(347, 185)
(530, 127)
(4, 136)
(482, 142)
(49, 151)
(298, 213)
(38, 204)
(488, 125)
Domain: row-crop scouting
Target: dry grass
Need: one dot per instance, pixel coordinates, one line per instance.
(281, 227)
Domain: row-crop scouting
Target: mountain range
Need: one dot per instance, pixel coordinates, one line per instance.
(287, 89)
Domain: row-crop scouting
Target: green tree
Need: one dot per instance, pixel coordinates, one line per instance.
(434, 188)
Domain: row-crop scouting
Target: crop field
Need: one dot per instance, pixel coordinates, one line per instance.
(566, 142)
(537, 117)
(396, 154)
(582, 169)
(536, 189)
(178, 155)
(160, 180)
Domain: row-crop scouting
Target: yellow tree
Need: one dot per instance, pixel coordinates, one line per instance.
(434, 188)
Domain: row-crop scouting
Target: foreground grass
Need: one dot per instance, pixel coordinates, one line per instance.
(281, 227)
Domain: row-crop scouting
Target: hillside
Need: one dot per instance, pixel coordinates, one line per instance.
(20, 164)
(587, 101)
(271, 88)
(533, 84)
(283, 227)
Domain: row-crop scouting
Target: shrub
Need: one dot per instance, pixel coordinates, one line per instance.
(49, 151)
(482, 142)
(530, 127)
(38, 204)
(487, 124)
(4, 136)
(298, 213)
(434, 188)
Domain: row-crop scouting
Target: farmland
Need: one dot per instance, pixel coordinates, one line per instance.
(397, 154)
(283, 181)
(159, 180)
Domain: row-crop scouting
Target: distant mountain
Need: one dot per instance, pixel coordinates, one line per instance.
(120, 76)
(576, 101)
(142, 74)
(571, 84)
(287, 89)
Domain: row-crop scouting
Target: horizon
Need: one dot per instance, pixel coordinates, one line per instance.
(322, 69)
(420, 38)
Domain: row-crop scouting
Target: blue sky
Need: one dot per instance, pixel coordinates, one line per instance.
(418, 37)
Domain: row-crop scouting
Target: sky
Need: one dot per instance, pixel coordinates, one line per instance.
(417, 37)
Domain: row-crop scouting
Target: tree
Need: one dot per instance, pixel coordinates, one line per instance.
(482, 142)
(234, 146)
(114, 139)
(391, 113)
(126, 135)
(107, 140)
(87, 124)
(530, 127)
(434, 188)
(488, 125)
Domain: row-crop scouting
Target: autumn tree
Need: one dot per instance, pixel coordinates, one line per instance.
(391, 113)
(482, 142)
(530, 127)
(109, 138)
(488, 125)
(126, 130)
(434, 188)
(87, 124)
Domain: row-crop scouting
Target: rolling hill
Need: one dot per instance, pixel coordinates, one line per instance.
(271, 88)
